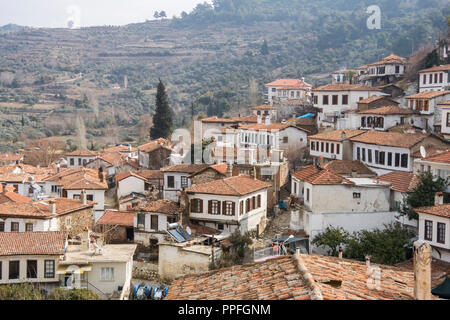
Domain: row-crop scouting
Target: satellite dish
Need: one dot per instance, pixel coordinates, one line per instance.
(423, 152)
(188, 230)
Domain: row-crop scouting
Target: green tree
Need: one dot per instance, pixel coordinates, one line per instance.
(163, 14)
(432, 59)
(73, 294)
(156, 15)
(162, 119)
(265, 48)
(332, 238)
(24, 291)
(423, 195)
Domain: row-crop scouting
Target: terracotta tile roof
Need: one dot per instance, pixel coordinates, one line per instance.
(292, 88)
(121, 148)
(436, 68)
(31, 243)
(327, 177)
(154, 145)
(269, 127)
(376, 98)
(393, 139)
(431, 150)
(428, 95)
(343, 71)
(405, 128)
(82, 153)
(391, 59)
(8, 196)
(347, 167)
(401, 181)
(113, 158)
(336, 135)
(287, 83)
(124, 175)
(387, 110)
(12, 157)
(121, 218)
(440, 270)
(263, 107)
(442, 210)
(42, 209)
(220, 168)
(246, 119)
(233, 186)
(151, 174)
(79, 179)
(159, 206)
(185, 168)
(441, 158)
(345, 87)
(22, 173)
(305, 172)
(301, 277)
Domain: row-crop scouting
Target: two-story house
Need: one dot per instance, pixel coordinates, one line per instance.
(283, 89)
(427, 105)
(234, 203)
(384, 152)
(383, 118)
(333, 100)
(79, 158)
(176, 179)
(155, 154)
(435, 79)
(434, 227)
(438, 164)
(152, 218)
(387, 70)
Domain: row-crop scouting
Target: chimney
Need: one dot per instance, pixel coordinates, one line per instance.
(439, 199)
(229, 170)
(422, 270)
(52, 206)
(340, 253)
(343, 136)
(354, 173)
(83, 197)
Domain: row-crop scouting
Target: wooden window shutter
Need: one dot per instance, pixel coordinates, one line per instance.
(234, 208)
(192, 205)
(224, 208)
(259, 197)
(209, 206)
(201, 206)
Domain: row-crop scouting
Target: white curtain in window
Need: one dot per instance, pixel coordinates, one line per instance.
(107, 274)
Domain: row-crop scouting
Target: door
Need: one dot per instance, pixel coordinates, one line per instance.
(130, 234)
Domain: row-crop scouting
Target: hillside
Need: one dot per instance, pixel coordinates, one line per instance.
(60, 82)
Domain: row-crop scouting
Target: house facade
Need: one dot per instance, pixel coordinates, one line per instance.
(427, 105)
(385, 71)
(176, 178)
(79, 158)
(445, 125)
(435, 79)
(155, 154)
(283, 89)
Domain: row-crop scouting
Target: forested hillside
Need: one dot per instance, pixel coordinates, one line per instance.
(59, 82)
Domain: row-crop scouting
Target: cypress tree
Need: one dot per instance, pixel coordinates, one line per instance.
(162, 119)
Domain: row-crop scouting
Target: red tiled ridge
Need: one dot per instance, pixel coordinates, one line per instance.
(345, 87)
(400, 180)
(336, 135)
(32, 243)
(159, 206)
(121, 218)
(428, 95)
(436, 68)
(287, 83)
(387, 110)
(393, 139)
(442, 210)
(233, 186)
(441, 158)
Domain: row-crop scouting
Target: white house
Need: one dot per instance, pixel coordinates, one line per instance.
(435, 78)
(155, 154)
(344, 76)
(128, 182)
(176, 179)
(445, 125)
(265, 111)
(23, 177)
(125, 149)
(234, 203)
(79, 158)
(211, 125)
(438, 164)
(283, 89)
(390, 151)
(333, 145)
(151, 220)
(427, 105)
(335, 99)
(387, 70)
(434, 228)
(329, 199)
(31, 257)
(383, 118)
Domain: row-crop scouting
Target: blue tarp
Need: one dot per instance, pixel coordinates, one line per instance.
(308, 115)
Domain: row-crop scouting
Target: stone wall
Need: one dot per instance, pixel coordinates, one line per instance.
(145, 271)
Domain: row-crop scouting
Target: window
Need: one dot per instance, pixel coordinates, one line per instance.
(424, 79)
(327, 147)
(79, 161)
(1, 270)
(377, 156)
(253, 203)
(29, 227)
(356, 195)
(428, 230)
(241, 208)
(431, 78)
(441, 77)
(31, 269)
(2, 227)
(338, 146)
(448, 119)
(14, 227)
(228, 208)
(441, 233)
(49, 268)
(247, 205)
(435, 78)
(345, 99)
(285, 139)
(154, 222)
(90, 197)
(363, 154)
(358, 153)
(382, 158)
(107, 274)
(14, 269)
(220, 226)
(72, 161)
(363, 121)
(140, 219)
(54, 189)
(335, 99)
(397, 160)
(16, 188)
(170, 181)
(404, 162)
(307, 195)
(213, 207)
(325, 100)
(197, 205)
(322, 146)
(313, 144)
(389, 159)
(316, 100)
(397, 69)
(77, 196)
(184, 182)
(332, 148)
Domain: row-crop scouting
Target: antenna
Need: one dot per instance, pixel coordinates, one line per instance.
(423, 152)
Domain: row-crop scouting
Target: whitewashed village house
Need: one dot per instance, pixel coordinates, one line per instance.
(445, 125)
(79, 158)
(287, 89)
(176, 179)
(427, 104)
(435, 79)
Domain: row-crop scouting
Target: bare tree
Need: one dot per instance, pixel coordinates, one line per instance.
(43, 152)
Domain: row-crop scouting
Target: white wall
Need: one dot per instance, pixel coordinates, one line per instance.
(38, 224)
(23, 268)
(171, 193)
(130, 184)
(385, 149)
(434, 86)
(434, 243)
(329, 154)
(98, 196)
(77, 159)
